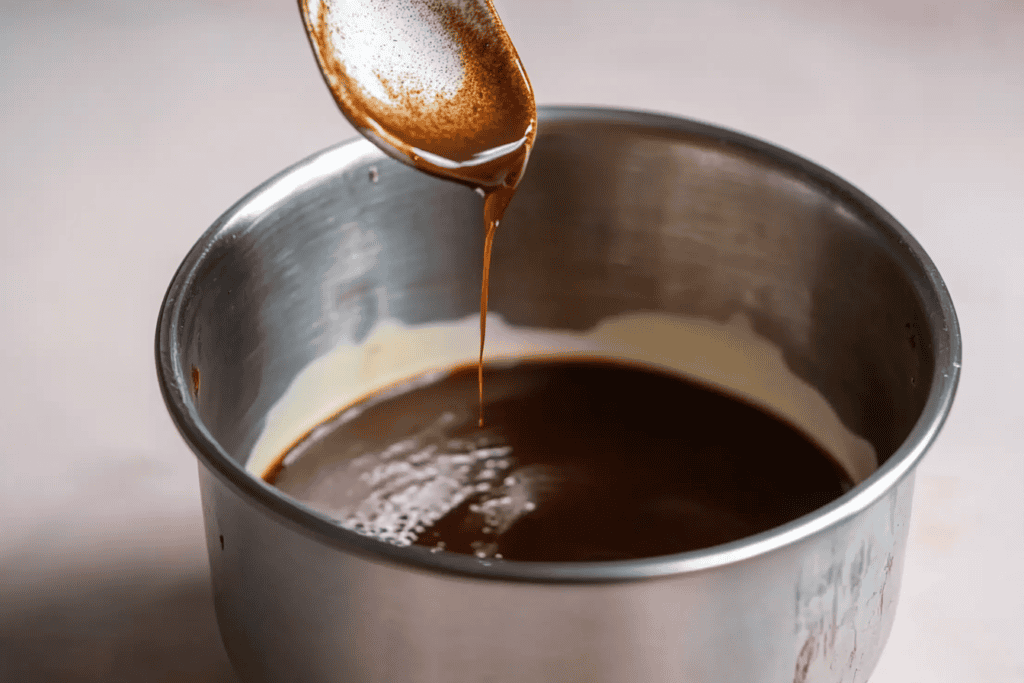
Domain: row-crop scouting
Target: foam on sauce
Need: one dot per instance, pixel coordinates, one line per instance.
(580, 461)
(729, 357)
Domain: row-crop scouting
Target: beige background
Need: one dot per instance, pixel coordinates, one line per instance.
(128, 127)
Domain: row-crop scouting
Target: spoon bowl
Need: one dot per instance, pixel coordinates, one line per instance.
(435, 84)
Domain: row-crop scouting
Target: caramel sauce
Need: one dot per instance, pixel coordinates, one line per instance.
(481, 136)
(581, 461)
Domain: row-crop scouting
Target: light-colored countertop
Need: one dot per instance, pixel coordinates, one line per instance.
(128, 127)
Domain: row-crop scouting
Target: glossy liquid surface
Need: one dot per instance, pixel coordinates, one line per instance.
(580, 461)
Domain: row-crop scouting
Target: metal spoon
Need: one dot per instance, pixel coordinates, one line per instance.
(436, 84)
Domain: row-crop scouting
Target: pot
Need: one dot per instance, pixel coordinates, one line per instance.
(621, 215)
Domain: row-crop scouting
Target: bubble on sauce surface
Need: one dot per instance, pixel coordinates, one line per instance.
(400, 492)
(397, 495)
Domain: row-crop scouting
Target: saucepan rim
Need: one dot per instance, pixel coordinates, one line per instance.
(932, 291)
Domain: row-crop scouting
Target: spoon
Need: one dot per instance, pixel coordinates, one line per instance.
(436, 84)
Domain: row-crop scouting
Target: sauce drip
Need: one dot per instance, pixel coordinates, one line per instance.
(436, 84)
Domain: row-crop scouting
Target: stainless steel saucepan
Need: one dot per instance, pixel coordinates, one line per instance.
(619, 212)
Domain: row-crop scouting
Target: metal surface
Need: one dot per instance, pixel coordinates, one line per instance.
(619, 211)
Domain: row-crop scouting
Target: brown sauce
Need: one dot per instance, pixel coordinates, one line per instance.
(580, 461)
